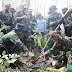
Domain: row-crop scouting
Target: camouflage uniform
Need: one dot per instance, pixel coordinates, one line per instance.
(5, 17)
(53, 18)
(60, 49)
(12, 19)
(32, 18)
(69, 62)
(11, 42)
(68, 21)
(25, 39)
(24, 21)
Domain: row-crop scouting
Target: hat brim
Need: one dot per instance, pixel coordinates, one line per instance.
(22, 30)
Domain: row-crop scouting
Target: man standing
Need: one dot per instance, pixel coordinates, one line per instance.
(21, 16)
(32, 20)
(68, 22)
(53, 17)
(12, 19)
(5, 15)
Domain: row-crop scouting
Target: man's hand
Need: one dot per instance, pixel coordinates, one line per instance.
(51, 23)
(55, 35)
(24, 16)
(68, 27)
(2, 23)
(31, 22)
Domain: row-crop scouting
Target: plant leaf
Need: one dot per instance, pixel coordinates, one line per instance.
(4, 53)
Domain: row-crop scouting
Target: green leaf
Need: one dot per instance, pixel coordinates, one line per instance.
(1, 60)
(39, 42)
(21, 60)
(14, 56)
(5, 56)
(31, 54)
(4, 53)
(11, 61)
(34, 57)
(7, 64)
(62, 30)
(54, 62)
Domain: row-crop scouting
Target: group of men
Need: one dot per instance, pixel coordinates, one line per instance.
(20, 19)
(24, 22)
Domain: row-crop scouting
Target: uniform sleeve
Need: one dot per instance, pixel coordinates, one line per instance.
(17, 16)
(1, 17)
(19, 43)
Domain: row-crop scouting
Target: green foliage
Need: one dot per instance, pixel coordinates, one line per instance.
(17, 70)
(4, 52)
(31, 54)
(4, 27)
(34, 57)
(62, 30)
(5, 60)
(39, 39)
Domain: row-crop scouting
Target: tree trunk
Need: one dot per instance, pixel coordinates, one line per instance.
(28, 3)
(3, 4)
(44, 7)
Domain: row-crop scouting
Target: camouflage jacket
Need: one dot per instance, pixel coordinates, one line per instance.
(32, 18)
(11, 40)
(53, 18)
(24, 21)
(68, 20)
(62, 45)
(5, 17)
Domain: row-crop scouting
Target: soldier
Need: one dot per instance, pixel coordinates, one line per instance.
(68, 17)
(12, 19)
(62, 45)
(67, 22)
(32, 20)
(21, 17)
(5, 15)
(64, 10)
(11, 42)
(53, 17)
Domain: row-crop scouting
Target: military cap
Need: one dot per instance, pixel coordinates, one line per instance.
(7, 4)
(20, 27)
(39, 14)
(64, 9)
(12, 9)
(52, 7)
